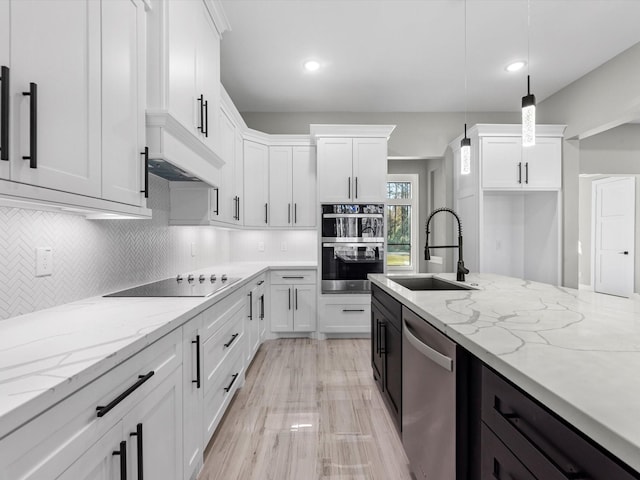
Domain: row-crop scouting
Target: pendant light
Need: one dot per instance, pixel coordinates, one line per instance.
(529, 100)
(465, 143)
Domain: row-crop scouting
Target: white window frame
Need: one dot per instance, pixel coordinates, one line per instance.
(413, 179)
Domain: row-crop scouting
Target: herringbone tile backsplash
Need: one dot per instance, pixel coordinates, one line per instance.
(93, 257)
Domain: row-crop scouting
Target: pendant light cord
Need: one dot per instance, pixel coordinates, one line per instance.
(528, 38)
(465, 68)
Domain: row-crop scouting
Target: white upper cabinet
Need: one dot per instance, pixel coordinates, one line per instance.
(335, 169)
(304, 190)
(55, 55)
(225, 204)
(352, 162)
(123, 100)
(4, 83)
(256, 184)
(508, 165)
(280, 186)
(369, 169)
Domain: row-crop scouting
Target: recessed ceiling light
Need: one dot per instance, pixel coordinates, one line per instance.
(515, 66)
(311, 65)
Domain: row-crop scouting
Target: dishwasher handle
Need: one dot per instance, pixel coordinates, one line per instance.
(436, 357)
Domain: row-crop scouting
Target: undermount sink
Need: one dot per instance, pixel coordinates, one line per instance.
(427, 283)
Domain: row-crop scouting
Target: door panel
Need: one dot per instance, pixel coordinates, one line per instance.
(304, 308)
(280, 182)
(501, 157)
(335, 173)
(256, 184)
(5, 30)
(614, 243)
(281, 313)
(369, 169)
(304, 187)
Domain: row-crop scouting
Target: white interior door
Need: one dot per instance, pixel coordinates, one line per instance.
(614, 229)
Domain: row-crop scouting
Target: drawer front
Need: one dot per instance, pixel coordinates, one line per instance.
(347, 318)
(290, 277)
(498, 463)
(215, 350)
(52, 441)
(218, 315)
(393, 307)
(548, 446)
(228, 379)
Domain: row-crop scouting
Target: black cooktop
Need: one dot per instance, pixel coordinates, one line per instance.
(172, 287)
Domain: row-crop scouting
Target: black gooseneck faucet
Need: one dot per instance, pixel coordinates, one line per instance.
(461, 271)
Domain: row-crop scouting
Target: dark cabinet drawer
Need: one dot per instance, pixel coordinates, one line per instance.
(548, 447)
(394, 307)
(498, 463)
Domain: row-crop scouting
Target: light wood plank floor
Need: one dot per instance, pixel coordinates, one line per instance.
(309, 410)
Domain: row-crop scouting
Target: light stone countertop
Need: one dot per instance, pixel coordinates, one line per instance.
(577, 352)
(47, 355)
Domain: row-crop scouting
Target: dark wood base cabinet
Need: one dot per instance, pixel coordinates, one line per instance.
(386, 350)
(523, 440)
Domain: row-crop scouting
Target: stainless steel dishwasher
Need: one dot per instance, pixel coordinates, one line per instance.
(429, 413)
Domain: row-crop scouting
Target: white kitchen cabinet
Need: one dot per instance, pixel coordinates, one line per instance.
(292, 186)
(5, 54)
(123, 100)
(192, 391)
(506, 164)
(510, 205)
(55, 48)
(352, 169)
(293, 301)
(224, 207)
(254, 322)
(256, 184)
(345, 314)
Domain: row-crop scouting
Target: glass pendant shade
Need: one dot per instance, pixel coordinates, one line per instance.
(465, 155)
(528, 118)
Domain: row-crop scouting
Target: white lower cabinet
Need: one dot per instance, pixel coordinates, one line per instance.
(345, 314)
(293, 301)
(254, 323)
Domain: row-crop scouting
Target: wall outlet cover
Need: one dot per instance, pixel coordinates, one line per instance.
(44, 261)
(261, 246)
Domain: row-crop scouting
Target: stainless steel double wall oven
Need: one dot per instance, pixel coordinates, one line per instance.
(353, 245)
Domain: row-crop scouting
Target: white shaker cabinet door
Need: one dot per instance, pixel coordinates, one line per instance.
(304, 306)
(369, 170)
(304, 187)
(281, 313)
(208, 76)
(335, 173)
(502, 162)
(99, 461)
(280, 182)
(123, 87)
(56, 46)
(543, 163)
(226, 202)
(4, 62)
(256, 184)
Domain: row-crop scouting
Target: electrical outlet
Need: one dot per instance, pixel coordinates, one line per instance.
(261, 246)
(44, 261)
(283, 246)
(193, 250)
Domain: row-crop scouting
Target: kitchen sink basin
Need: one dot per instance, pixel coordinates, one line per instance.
(427, 283)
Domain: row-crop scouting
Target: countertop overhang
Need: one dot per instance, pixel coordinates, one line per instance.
(48, 355)
(577, 352)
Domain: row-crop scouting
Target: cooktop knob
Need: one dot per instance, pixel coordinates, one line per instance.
(190, 278)
(213, 278)
(179, 278)
(201, 278)
(224, 277)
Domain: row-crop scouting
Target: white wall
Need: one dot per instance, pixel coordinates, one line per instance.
(278, 245)
(94, 257)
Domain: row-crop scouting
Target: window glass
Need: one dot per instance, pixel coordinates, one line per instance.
(399, 235)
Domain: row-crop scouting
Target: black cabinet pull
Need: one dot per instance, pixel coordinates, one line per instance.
(261, 307)
(520, 172)
(349, 186)
(353, 309)
(122, 452)
(295, 213)
(238, 209)
(294, 278)
(296, 298)
(138, 435)
(228, 387)
(197, 381)
(235, 205)
(250, 305)
(526, 173)
(103, 410)
(260, 282)
(266, 214)
(145, 156)
(33, 125)
(356, 187)
(217, 209)
(201, 102)
(496, 469)
(4, 113)
(377, 338)
(289, 298)
(206, 118)
(530, 434)
(289, 213)
(383, 336)
(233, 338)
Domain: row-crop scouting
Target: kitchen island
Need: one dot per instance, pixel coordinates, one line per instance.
(576, 352)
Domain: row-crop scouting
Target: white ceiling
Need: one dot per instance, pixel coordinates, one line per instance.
(408, 55)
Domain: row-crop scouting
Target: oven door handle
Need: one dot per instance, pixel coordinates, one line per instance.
(363, 244)
(436, 357)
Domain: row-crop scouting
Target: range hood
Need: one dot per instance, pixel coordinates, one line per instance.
(164, 169)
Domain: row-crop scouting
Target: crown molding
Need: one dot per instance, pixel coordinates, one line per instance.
(360, 131)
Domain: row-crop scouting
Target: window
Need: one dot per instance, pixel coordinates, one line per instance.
(402, 211)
